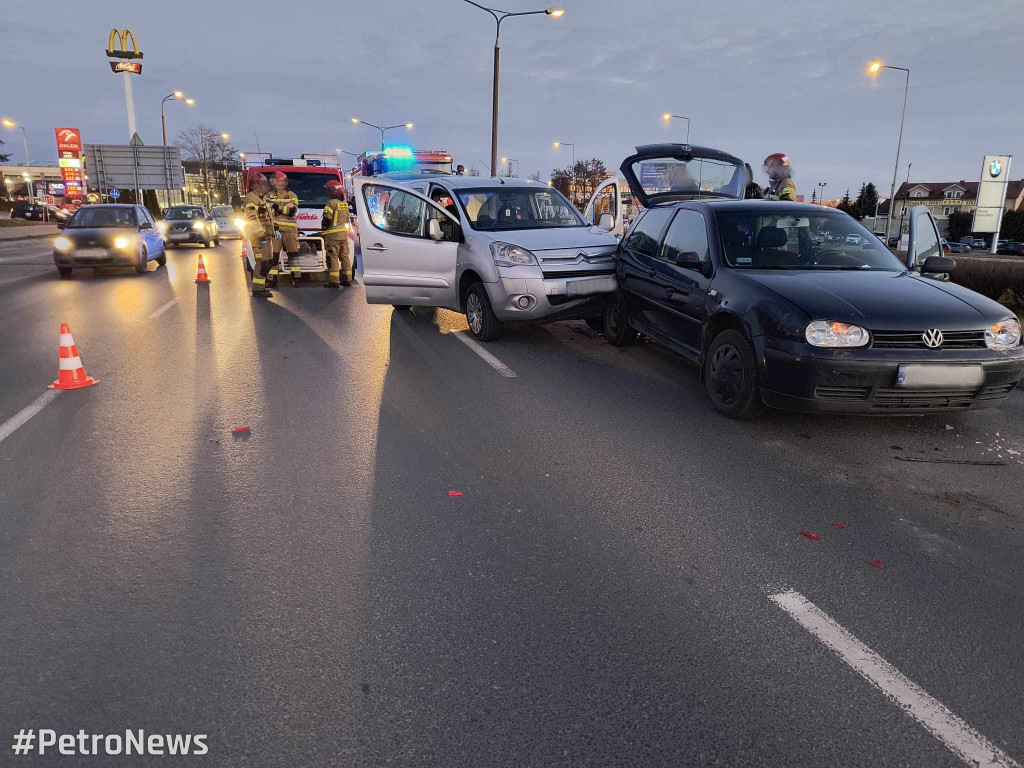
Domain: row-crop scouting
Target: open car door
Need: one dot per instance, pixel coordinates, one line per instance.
(659, 173)
(409, 246)
(607, 198)
(924, 238)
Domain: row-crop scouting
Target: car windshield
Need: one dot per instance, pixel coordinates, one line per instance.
(794, 239)
(94, 216)
(498, 209)
(696, 178)
(184, 213)
(222, 211)
(308, 187)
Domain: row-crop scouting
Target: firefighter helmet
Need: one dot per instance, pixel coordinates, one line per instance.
(258, 178)
(279, 176)
(777, 165)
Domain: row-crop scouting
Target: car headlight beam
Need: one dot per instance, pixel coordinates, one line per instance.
(1004, 335)
(508, 255)
(63, 244)
(197, 225)
(123, 243)
(826, 333)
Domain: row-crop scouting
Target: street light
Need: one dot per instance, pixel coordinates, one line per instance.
(509, 161)
(821, 191)
(357, 121)
(874, 69)
(175, 96)
(667, 117)
(225, 136)
(28, 163)
(500, 16)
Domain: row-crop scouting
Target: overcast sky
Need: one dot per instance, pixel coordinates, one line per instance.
(755, 77)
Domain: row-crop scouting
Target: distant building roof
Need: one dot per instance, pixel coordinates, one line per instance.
(935, 192)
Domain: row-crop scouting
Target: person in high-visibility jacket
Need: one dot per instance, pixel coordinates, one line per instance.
(780, 179)
(257, 219)
(334, 228)
(285, 205)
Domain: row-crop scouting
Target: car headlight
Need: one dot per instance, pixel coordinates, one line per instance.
(197, 225)
(240, 224)
(63, 244)
(508, 255)
(1004, 335)
(825, 333)
(162, 227)
(124, 243)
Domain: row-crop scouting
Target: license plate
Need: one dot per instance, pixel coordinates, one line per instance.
(592, 285)
(90, 253)
(940, 376)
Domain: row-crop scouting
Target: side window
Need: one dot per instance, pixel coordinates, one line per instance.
(647, 232)
(603, 203)
(927, 241)
(147, 216)
(392, 210)
(447, 225)
(687, 233)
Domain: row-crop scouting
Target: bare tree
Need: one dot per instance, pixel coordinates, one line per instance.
(205, 146)
(579, 182)
(535, 176)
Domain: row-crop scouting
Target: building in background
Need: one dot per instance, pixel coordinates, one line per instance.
(46, 177)
(217, 184)
(942, 199)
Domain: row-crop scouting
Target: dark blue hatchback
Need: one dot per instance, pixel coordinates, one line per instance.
(108, 236)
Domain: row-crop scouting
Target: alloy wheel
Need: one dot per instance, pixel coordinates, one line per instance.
(474, 313)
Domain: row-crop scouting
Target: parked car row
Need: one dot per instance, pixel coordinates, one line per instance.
(38, 212)
(771, 306)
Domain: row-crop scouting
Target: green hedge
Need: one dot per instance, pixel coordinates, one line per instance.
(1001, 280)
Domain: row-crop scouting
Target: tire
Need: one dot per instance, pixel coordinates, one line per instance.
(64, 272)
(595, 323)
(216, 240)
(402, 307)
(208, 243)
(616, 321)
(142, 264)
(731, 376)
(482, 323)
(162, 259)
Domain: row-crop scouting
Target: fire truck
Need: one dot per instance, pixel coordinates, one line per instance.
(403, 159)
(307, 177)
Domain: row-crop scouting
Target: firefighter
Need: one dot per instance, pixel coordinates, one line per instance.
(257, 219)
(780, 181)
(334, 228)
(285, 205)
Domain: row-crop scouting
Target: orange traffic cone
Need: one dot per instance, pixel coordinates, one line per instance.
(201, 274)
(70, 373)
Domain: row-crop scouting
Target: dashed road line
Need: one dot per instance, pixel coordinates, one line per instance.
(965, 742)
(490, 359)
(27, 413)
(164, 308)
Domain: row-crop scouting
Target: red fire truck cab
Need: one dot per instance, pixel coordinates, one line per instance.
(307, 177)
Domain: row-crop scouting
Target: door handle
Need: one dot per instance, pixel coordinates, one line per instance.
(376, 247)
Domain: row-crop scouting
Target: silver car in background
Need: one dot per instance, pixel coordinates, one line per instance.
(227, 220)
(496, 249)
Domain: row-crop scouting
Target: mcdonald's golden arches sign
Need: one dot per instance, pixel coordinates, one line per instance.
(117, 47)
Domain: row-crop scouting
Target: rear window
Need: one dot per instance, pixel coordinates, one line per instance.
(222, 211)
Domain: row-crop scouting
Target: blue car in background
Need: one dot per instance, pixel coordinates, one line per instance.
(108, 236)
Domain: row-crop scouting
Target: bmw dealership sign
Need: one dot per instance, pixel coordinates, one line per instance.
(988, 214)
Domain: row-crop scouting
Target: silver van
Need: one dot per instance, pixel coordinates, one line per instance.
(496, 249)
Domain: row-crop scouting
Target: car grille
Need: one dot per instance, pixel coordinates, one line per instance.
(580, 273)
(914, 340)
(842, 393)
(895, 399)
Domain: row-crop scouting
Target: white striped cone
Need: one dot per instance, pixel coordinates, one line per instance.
(201, 274)
(70, 372)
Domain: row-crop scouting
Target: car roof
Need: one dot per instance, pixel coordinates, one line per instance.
(462, 182)
(110, 205)
(762, 205)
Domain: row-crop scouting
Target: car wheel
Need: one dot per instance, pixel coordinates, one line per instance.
(730, 376)
(482, 322)
(402, 307)
(142, 263)
(595, 323)
(162, 259)
(64, 272)
(616, 321)
(208, 243)
(216, 240)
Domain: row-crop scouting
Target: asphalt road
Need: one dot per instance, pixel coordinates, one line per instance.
(309, 593)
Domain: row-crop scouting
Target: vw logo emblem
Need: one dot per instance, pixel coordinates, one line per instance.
(932, 338)
(995, 168)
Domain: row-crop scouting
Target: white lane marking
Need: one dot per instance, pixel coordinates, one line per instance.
(490, 359)
(27, 412)
(965, 742)
(164, 308)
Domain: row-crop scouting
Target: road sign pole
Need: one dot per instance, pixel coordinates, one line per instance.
(129, 103)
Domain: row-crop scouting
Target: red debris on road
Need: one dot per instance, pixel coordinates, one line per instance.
(454, 493)
(811, 536)
(838, 525)
(877, 563)
(236, 430)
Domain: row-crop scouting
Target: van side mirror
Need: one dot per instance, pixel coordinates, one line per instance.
(689, 260)
(434, 229)
(606, 222)
(935, 265)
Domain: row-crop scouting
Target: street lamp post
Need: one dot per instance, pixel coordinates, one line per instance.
(357, 121)
(509, 161)
(821, 191)
(572, 182)
(28, 163)
(499, 16)
(874, 69)
(667, 117)
(903, 211)
(176, 96)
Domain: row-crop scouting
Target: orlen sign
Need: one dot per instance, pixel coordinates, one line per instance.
(68, 140)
